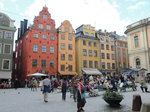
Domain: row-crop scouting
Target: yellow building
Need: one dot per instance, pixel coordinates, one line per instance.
(66, 49)
(107, 49)
(87, 51)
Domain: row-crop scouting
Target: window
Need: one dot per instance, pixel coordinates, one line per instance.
(113, 56)
(6, 64)
(63, 37)
(7, 48)
(52, 50)
(96, 64)
(84, 52)
(62, 46)
(108, 65)
(69, 57)
(43, 49)
(112, 48)
(48, 27)
(90, 43)
(35, 48)
(62, 56)
(69, 38)
(102, 38)
(84, 42)
(35, 35)
(70, 68)
(85, 63)
(43, 63)
(102, 46)
(44, 16)
(113, 65)
(8, 35)
(103, 55)
(92, 34)
(34, 62)
(44, 36)
(70, 46)
(91, 64)
(51, 64)
(119, 54)
(90, 52)
(67, 30)
(136, 41)
(107, 47)
(62, 67)
(40, 26)
(138, 63)
(95, 44)
(1, 34)
(95, 53)
(124, 54)
(52, 38)
(103, 65)
(108, 56)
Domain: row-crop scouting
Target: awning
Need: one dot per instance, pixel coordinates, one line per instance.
(5, 75)
(128, 72)
(37, 75)
(67, 73)
(91, 71)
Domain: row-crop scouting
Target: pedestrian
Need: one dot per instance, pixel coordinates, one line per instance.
(80, 99)
(74, 85)
(16, 83)
(46, 88)
(64, 89)
(144, 86)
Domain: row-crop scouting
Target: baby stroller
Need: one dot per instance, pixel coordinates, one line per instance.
(92, 92)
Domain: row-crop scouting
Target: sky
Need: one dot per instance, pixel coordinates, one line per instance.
(112, 15)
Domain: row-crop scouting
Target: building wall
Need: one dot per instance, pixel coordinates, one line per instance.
(67, 32)
(141, 51)
(26, 46)
(6, 26)
(80, 57)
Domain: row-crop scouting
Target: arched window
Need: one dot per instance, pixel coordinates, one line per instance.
(138, 63)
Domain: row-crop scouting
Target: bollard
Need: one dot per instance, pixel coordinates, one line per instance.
(145, 107)
(137, 102)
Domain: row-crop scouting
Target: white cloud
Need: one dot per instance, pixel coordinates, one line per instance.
(100, 13)
(137, 5)
(1, 5)
(115, 4)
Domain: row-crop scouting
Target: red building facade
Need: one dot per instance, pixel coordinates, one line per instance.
(36, 48)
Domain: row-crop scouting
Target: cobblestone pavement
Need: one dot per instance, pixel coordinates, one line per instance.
(23, 100)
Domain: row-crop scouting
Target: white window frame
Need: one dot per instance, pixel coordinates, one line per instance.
(3, 64)
(40, 26)
(45, 16)
(44, 36)
(35, 35)
(8, 32)
(53, 50)
(34, 48)
(48, 27)
(4, 49)
(52, 38)
(43, 49)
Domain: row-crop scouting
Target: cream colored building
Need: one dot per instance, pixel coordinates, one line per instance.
(138, 35)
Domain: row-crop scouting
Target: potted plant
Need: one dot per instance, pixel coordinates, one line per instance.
(113, 98)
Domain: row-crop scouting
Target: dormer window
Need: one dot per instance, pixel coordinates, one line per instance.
(44, 16)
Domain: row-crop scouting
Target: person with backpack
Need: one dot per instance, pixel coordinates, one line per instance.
(64, 89)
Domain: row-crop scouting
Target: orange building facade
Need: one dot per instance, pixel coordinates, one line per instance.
(66, 50)
(36, 48)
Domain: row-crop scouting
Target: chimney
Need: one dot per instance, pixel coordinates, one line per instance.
(25, 25)
(19, 33)
(21, 28)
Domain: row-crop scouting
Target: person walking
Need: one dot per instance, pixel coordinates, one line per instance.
(74, 85)
(80, 98)
(16, 83)
(64, 89)
(46, 88)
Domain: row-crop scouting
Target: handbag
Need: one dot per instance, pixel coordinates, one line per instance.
(83, 95)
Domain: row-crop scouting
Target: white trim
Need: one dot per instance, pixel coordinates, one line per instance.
(3, 62)
(4, 48)
(8, 32)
